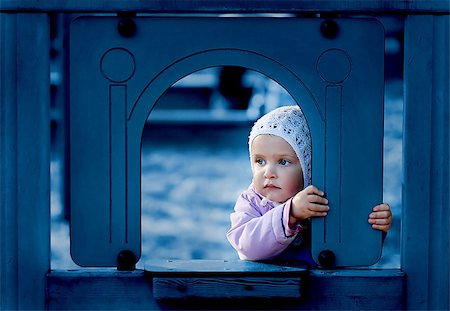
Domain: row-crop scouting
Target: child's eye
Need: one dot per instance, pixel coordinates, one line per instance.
(260, 162)
(284, 162)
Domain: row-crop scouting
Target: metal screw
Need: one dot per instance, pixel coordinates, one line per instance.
(329, 29)
(327, 259)
(181, 288)
(126, 261)
(126, 27)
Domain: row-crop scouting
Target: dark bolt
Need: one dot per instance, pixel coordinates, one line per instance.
(329, 29)
(181, 288)
(126, 261)
(327, 259)
(126, 27)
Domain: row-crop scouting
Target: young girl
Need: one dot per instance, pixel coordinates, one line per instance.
(271, 218)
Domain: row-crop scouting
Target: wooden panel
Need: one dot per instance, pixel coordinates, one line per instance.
(25, 160)
(105, 289)
(332, 289)
(226, 287)
(181, 279)
(425, 255)
(248, 6)
(8, 175)
(355, 290)
(166, 49)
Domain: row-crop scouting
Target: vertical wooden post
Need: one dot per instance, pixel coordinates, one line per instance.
(25, 160)
(425, 216)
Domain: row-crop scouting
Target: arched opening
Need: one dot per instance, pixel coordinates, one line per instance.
(194, 160)
(158, 85)
(155, 84)
(194, 164)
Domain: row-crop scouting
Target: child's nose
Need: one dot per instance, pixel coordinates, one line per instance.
(270, 172)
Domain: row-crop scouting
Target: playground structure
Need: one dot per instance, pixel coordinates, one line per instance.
(26, 279)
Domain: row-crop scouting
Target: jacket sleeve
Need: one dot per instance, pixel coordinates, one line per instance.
(256, 235)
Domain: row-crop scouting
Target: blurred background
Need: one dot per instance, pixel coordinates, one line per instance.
(195, 155)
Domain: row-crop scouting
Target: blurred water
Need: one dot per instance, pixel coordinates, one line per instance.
(191, 177)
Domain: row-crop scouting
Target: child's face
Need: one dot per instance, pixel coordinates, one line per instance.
(277, 172)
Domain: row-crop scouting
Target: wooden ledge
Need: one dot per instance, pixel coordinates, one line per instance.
(204, 284)
(218, 279)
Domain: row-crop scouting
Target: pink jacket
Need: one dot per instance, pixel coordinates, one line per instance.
(259, 230)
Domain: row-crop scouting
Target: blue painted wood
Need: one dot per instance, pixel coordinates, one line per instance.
(425, 214)
(242, 6)
(354, 144)
(223, 267)
(25, 160)
(226, 287)
(8, 186)
(324, 290)
(25, 256)
(99, 289)
(236, 279)
(162, 51)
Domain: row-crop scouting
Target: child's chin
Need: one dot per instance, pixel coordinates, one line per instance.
(276, 199)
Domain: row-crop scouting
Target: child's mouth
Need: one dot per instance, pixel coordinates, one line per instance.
(271, 186)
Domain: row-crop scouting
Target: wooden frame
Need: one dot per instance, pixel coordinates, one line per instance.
(26, 280)
(425, 214)
(239, 6)
(335, 289)
(25, 160)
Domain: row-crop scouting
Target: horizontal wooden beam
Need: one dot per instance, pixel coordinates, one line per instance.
(226, 287)
(231, 6)
(179, 279)
(323, 289)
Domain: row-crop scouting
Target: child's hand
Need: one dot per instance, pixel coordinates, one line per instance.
(308, 203)
(381, 218)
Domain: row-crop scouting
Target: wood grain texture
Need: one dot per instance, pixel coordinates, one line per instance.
(425, 255)
(226, 287)
(24, 160)
(321, 289)
(242, 6)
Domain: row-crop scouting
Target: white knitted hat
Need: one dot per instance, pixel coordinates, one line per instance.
(289, 123)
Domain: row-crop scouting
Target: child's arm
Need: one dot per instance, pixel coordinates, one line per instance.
(257, 234)
(381, 217)
(309, 202)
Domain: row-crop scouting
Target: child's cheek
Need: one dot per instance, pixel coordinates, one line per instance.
(258, 182)
(294, 186)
